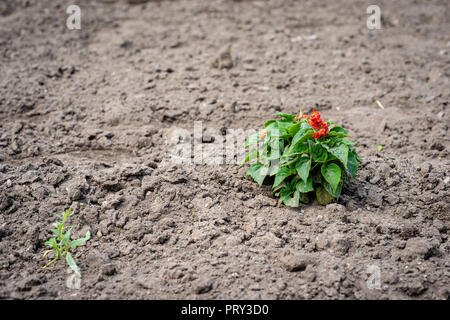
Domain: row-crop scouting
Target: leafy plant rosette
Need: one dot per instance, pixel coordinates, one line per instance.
(305, 155)
(61, 244)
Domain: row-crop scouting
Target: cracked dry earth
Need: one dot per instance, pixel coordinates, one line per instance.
(85, 117)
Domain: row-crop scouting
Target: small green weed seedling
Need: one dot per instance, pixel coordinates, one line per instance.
(304, 156)
(61, 243)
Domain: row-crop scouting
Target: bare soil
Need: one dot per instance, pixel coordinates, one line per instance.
(85, 117)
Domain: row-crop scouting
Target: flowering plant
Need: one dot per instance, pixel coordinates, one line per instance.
(304, 156)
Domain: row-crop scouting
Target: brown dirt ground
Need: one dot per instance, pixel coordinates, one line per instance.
(84, 121)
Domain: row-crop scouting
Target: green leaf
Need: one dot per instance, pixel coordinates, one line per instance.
(293, 129)
(331, 158)
(72, 264)
(323, 197)
(302, 135)
(277, 190)
(80, 241)
(299, 148)
(286, 162)
(274, 168)
(337, 129)
(263, 150)
(67, 235)
(251, 140)
(303, 166)
(349, 143)
(305, 186)
(338, 134)
(51, 243)
(380, 148)
(67, 213)
(252, 154)
(77, 242)
(290, 201)
(277, 132)
(60, 227)
(340, 152)
(352, 164)
(317, 152)
(332, 174)
(57, 215)
(276, 148)
(258, 172)
(285, 193)
(281, 175)
(286, 116)
(335, 193)
(67, 238)
(269, 122)
(284, 124)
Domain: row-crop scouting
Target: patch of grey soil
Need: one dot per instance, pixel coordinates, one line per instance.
(85, 116)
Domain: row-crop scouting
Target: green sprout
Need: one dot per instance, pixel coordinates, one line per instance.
(61, 243)
(380, 147)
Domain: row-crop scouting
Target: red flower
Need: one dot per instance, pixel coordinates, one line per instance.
(315, 114)
(263, 134)
(322, 132)
(317, 124)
